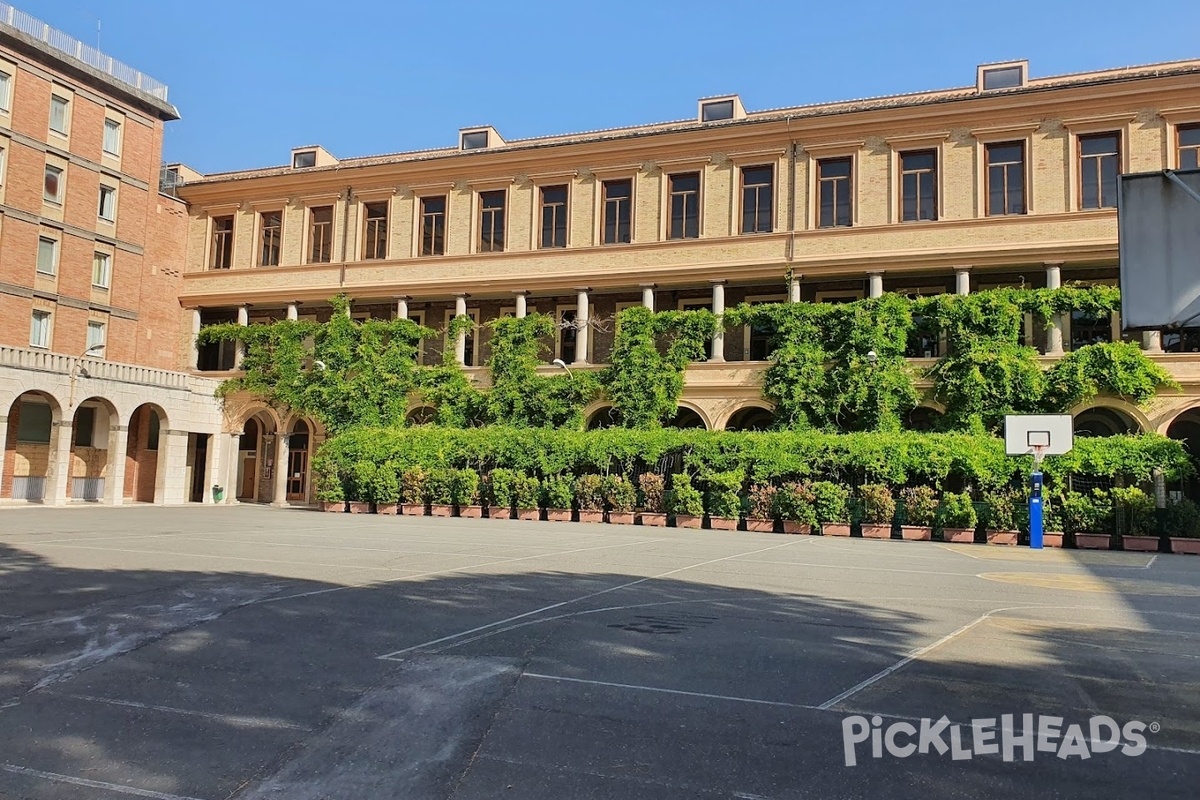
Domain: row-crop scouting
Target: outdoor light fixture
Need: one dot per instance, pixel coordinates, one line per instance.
(558, 362)
(872, 357)
(319, 364)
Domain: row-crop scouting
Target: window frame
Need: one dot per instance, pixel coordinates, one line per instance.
(99, 256)
(757, 300)
(442, 218)
(1023, 143)
(379, 241)
(851, 190)
(110, 191)
(772, 194)
(327, 230)
(669, 205)
(936, 172)
(6, 88)
(120, 130)
(47, 328)
(485, 219)
(539, 220)
(630, 202)
(1119, 155)
(61, 176)
(55, 246)
(94, 324)
(262, 240)
(66, 102)
(472, 338)
(569, 358)
(214, 250)
(1178, 149)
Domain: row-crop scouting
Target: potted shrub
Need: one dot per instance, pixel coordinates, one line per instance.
(441, 492)
(362, 475)
(385, 489)
(793, 503)
(589, 496)
(761, 516)
(558, 491)
(653, 489)
(723, 500)
(501, 486)
(464, 493)
(621, 496)
(1181, 521)
(1086, 516)
(958, 517)
(685, 502)
(1137, 512)
(920, 511)
(878, 510)
(832, 504)
(1052, 524)
(330, 492)
(414, 491)
(526, 492)
(1004, 516)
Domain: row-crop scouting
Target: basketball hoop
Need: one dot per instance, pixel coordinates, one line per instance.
(1039, 452)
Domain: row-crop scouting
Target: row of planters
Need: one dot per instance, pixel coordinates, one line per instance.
(1124, 517)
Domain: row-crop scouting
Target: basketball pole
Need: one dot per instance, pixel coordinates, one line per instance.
(1036, 515)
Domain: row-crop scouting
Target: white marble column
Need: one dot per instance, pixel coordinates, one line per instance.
(195, 342)
(875, 284)
(114, 479)
(1054, 328)
(962, 280)
(293, 311)
(172, 468)
(522, 306)
(794, 289)
(581, 327)
(1152, 341)
(718, 308)
(648, 295)
(280, 476)
(243, 319)
(59, 468)
(460, 341)
(401, 308)
(233, 457)
(213, 459)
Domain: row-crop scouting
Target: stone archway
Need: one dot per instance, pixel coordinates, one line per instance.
(420, 415)
(91, 459)
(145, 462)
(1185, 428)
(602, 417)
(1104, 421)
(300, 441)
(688, 419)
(751, 418)
(30, 443)
(254, 468)
(923, 418)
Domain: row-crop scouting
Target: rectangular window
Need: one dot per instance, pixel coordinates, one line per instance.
(1099, 166)
(1005, 176)
(1088, 329)
(39, 329)
(101, 270)
(47, 256)
(554, 216)
(112, 137)
(52, 184)
(84, 427)
(1189, 147)
(491, 221)
(5, 91)
(58, 113)
(918, 185)
(568, 334)
(618, 212)
(35, 423)
(685, 206)
(108, 203)
(376, 233)
(222, 243)
(433, 226)
(320, 235)
(834, 186)
(95, 337)
(758, 199)
(271, 223)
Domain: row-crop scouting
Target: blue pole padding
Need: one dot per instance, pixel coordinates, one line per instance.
(1035, 511)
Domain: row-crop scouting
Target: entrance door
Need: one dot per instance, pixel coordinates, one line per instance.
(198, 454)
(297, 479)
(249, 470)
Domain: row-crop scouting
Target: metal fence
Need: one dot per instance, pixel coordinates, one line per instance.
(29, 487)
(87, 488)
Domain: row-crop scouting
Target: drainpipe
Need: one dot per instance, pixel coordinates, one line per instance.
(792, 148)
(345, 231)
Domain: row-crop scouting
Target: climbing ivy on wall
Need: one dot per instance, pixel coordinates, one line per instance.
(519, 395)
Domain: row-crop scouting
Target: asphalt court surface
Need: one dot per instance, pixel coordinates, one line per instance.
(246, 652)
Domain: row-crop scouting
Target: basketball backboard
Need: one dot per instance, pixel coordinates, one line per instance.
(1026, 433)
(1158, 221)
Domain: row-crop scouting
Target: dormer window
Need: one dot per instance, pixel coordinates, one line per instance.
(1011, 75)
(304, 158)
(476, 140)
(718, 109)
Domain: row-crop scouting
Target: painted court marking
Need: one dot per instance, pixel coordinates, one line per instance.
(248, 722)
(705, 695)
(91, 784)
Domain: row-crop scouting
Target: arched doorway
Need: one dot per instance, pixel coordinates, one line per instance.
(1103, 421)
(1186, 429)
(601, 418)
(923, 419)
(421, 415)
(142, 484)
(249, 446)
(94, 419)
(29, 446)
(688, 418)
(751, 418)
(299, 442)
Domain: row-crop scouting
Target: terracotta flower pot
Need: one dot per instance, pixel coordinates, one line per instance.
(499, 512)
(590, 515)
(529, 514)
(387, 509)
(1002, 537)
(360, 508)
(335, 507)
(760, 525)
(1052, 539)
(958, 535)
(688, 521)
(1183, 544)
(1093, 541)
(916, 533)
(875, 530)
(1140, 544)
(558, 514)
(792, 526)
(835, 529)
(653, 519)
(621, 517)
(471, 512)
(722, 523)
(441, 510)
(412, 509)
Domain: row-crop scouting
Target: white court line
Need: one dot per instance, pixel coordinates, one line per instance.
(91, 784)
(249, 722)
(1056, 563)
(588, 596)
(861, 569)
(308, 546)
(705, 695)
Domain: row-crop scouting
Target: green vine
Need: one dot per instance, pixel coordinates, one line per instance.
(519, 395)
(1119, 368)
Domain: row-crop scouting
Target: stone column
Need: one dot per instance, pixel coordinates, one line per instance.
(401, 308)
(60, 463)
(233, 455)
(195, 343)
(1054, 331)
(243, 319)
(962, 280)
(213, 459)
(114, 481)
(581, 327)
(718, 308)
(3, 444)
(648, 295)
(280, 476)
(1152, 341)
(293, 312)
(522, 306)
(875, 284)
(794, 289)
(172, 467)
(460, 341)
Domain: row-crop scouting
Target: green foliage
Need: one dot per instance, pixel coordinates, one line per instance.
(526, 491)
(414, 486)
(683, 497)
(464, 487)
(1181, 518)
(795, 502)
(501, 487)
(440, 486)
(1136, 509)
(1086, 513)
(1119, 368)
(1006, 510)
(620, 493)
(878, 504)
(920, 505)
(762, 501)
(327, 480)
(519, 395)
(830, 501)
(722, 494)
(558, 491)
(589, 492)
(653, 490)
(796, 382)
(957, 511)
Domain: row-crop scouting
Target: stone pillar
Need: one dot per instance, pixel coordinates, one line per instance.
(401, 308)
(962, 280)
(195, 343)
(581, 327)
(213, 459)
(1152, 341)
(875, 284)
(522, 306)
(718, 308)
(794, 289)
(460, 341)
(60, 462)
(293, 313)
(233, 455)
(648, 295)
(243, 319)
(280, 476)
(1054, 328)
(172, 467)
(3, 444)
(114, 480)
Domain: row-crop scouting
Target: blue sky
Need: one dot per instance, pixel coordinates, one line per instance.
(254, 78)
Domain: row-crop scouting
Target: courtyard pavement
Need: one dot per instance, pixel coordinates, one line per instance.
(245, 652)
